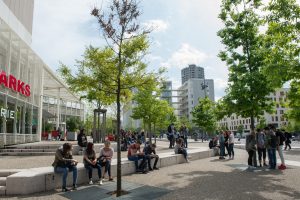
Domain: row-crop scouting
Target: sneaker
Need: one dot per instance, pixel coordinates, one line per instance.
(100, 182)
(150, 169)
(111, 179)
(91, 182)
(282, 167)
(65, 190)
(155, 168)
(187, 161)
(74, 187)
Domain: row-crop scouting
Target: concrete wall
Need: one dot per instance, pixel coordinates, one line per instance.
(23, 10)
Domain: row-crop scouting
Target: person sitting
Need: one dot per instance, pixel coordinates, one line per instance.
(90, 162)
(150, 153)
(63, 163)
(82, 139)
(180, 150)
(106, 154)
(135, 154)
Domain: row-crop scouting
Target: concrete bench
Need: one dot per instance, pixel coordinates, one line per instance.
(44, 179)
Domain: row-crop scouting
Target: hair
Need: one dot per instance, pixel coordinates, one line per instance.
(138, 142)
(258, 130)
(107, 142)
(153, 145)
(89, 148)
(67, 147)
(81, 131)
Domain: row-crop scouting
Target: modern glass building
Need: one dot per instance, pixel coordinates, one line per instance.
(30, 92)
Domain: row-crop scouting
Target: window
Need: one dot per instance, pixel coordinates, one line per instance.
(281, 93)
(276, 118)
(281, 111)
(272, 118)
(277, 105)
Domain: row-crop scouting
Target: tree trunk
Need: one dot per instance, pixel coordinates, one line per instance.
(252, 123)
(149, 134)
(119, 172)
(154, 134)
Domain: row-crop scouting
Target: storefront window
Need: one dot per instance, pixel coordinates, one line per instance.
(10, 117)
(20, 115)
(2, 119)
(28, 119)
(35, 119)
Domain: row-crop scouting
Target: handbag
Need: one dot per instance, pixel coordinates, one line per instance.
(102, 160)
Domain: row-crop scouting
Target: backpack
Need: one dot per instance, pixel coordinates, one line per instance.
(282, 137)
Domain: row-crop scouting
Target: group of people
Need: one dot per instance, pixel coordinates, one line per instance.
(225, 140)
(174, 135)
(64, 163)
(267, 142)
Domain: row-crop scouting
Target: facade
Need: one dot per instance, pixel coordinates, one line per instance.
(277, 119)
(190, 93)
(192, 71)
(26, 82)
(167, 92)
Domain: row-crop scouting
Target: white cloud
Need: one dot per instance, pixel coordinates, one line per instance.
(157, 25)
(185, 55)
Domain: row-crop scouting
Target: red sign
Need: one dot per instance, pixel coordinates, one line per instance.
(14, 84)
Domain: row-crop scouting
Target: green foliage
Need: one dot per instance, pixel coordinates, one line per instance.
(204, 115)
(294, 101)
(240, 128)
(262, 123)
(248, 87)
(47, 127)
(73, 124)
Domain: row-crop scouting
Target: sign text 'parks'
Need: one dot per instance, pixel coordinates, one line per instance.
(9, 81)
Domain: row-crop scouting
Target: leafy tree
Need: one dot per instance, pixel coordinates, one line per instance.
(204, 115)
(248, 87)
(73, 123)
(128, 44)
(240, 129)
(262, 123)
(282, 49)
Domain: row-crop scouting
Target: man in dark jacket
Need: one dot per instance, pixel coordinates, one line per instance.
(150, 153)
(81, 139)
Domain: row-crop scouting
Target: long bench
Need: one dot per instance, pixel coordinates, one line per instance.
(44, 179)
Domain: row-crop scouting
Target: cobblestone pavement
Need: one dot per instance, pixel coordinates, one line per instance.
(212, 178)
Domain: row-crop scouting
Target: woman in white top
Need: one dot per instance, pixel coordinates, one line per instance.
(231, 144)
(106, 154)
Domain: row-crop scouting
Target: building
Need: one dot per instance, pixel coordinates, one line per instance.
(192, 71)
(166, 93)
(277, 119)
(190, 92)
(30, 92)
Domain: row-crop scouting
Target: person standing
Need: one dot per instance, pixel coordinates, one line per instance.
(226, 137)
(63, 163)
(184, 131)
(171, 135)
(251, 149)
(106, 154)
(288, 140)
(90, 162)
(222, 145)
(280, 140)
(271, 147)
(231, 145)
(261, 147)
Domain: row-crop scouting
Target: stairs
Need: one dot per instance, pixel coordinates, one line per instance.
(29, 150)
(3, 175)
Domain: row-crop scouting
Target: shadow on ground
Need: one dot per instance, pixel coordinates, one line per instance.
(236, 184)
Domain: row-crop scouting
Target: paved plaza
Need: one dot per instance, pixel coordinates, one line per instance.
(208, 178)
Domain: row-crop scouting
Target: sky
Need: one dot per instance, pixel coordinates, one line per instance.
(184, 32)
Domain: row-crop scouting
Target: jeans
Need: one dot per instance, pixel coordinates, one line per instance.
(231, 151)
(272, 158)
(90, 168)
(280, 148)
(185, 142)
(149, 158)
(222, 149)
(250, 158)
(107, 167)
(172, 140)
(261, 154)
(184, 152)
(136, 161)
(64, 171)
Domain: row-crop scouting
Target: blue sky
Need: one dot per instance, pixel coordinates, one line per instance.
(184, 33)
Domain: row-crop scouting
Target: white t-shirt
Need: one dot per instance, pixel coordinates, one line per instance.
(231, 138)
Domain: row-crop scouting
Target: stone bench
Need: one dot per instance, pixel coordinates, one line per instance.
(44, 179)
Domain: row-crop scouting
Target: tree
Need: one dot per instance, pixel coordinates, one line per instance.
(73, 123)
(282, 55)
(204, 115)
(128, 44)
(248, 87)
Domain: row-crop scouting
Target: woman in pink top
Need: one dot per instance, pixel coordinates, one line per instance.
(106, 154)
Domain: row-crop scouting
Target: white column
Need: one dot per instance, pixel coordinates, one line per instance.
(58, 109)
(40, 121)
